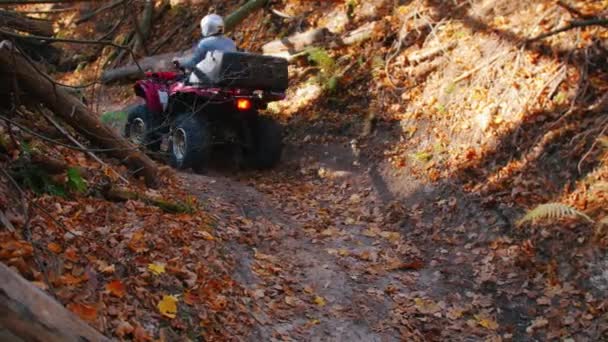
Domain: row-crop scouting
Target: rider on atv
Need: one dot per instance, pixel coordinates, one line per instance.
(212, 28)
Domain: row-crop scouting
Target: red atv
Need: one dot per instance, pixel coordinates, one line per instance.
(195, 118)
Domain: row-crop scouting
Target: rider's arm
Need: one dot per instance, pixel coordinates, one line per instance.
(199, 54)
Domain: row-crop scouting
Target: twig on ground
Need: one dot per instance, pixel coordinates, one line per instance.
(474, 70)
(578, 166)
(572, 25)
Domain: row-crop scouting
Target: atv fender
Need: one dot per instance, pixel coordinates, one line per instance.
(155, 95)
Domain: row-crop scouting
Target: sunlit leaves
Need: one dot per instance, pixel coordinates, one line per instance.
(168, 306)
(156, 269)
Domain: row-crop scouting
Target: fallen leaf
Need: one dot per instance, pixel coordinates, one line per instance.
(454, 313)
(141, 335)
(54, 247)
(540, 322)
(190, 298)
(291, 300)
(426, 306)
(157, 269)
(259, 293)
(137, 243)
(71, 254)
(320, 301)
(123, 329)
(205, 235)
(71, 280)
(168, 306)
(86, 312)
(413, 265)
(486, 322)
(116, 288)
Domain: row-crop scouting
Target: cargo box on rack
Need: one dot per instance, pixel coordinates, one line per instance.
(245, 70)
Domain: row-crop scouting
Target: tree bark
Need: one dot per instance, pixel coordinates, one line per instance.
(163, 62)
(31, 315)
(236, 17)
(144, 28)
(23, 23)
(73, 112)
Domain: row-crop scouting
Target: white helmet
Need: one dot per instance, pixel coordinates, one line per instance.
(212, 24)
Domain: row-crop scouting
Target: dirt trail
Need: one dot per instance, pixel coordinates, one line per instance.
(306, 257)
(324, 251)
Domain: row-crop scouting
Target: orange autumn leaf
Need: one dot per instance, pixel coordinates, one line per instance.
(15, 249)
(54, 247)
(137, 243)
(190, 298)
(86, 312)
(71, 280)
(116, 288)
(71, 254)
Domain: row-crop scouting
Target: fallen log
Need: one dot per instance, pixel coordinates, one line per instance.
(154, 63)
(73, 112)
(296, 43)
(23, 23)
(123, 195)
(164, 61)
(29, 314)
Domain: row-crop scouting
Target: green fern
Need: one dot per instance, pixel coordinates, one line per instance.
(552, 211)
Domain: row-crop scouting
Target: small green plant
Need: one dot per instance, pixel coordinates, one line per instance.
(327, 77)
(39, 181)
(441, 109)
(450, 88)
(75, 181)
(552, 211)
(113, 119)
(422, 156)
(350, 7)
(321, 58)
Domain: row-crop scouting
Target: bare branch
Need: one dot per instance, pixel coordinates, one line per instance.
(572, 25)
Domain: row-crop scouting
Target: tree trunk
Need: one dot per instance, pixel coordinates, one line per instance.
(26, 312)
(73, 112)
(144, 27)
(236, 17)
(163, 62)
(23, 23)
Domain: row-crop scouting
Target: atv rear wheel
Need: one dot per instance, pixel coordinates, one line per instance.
(267, 143)
(142, 129)
(190, 145)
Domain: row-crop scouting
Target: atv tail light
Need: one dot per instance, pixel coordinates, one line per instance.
(243, 104)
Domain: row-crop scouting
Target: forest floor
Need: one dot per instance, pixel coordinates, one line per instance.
(394, 212)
